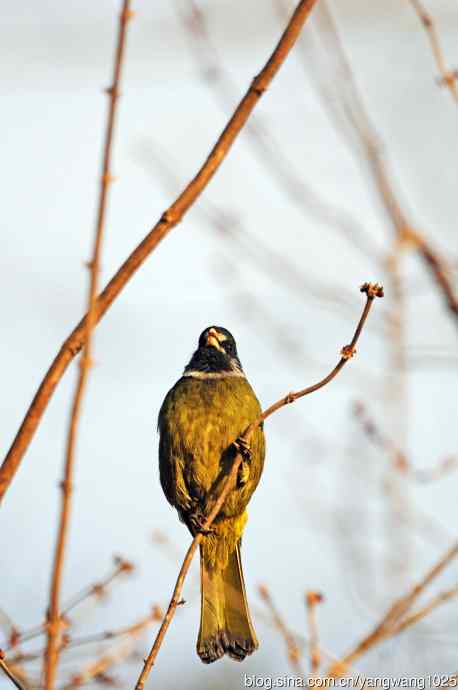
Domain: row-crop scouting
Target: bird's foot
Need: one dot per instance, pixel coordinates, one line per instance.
(243, 473)
(243, 447)
(197, 522)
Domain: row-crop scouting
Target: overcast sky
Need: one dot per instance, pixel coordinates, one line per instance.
(318, 520)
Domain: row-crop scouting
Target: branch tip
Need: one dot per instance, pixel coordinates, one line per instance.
(156, 613)
(263, 592)
(123, 565)
(313, 598)
(372, 290)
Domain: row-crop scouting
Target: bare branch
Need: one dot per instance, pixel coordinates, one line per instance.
(8, 672)
(95, 590)
(54, 626)
(169, 219)
(292, 648)
(99, 589)
(449, 78)
(69, 642)
(436, 601)
(312, 599)
(390, 623)
(227, 482)
(358, 118)
(268, 151)
(277, 266)
(402, 463)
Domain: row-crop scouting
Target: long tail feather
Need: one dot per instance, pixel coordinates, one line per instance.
(225, 622)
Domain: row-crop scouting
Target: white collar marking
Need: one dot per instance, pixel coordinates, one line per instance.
(214, 374)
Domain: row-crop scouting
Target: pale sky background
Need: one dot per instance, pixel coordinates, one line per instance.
(319, 518)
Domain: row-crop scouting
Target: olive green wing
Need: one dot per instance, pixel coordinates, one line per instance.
(172, 455)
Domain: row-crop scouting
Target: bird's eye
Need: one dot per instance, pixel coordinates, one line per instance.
(229, 346)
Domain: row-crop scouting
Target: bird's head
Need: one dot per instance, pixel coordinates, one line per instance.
(216, 355)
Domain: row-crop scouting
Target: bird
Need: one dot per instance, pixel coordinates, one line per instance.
(200, 423)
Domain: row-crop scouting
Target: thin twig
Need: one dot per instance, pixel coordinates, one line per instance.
(273, 263)
(169, 219)
(72, 642)
(99, 667)
(312, 599)
(96, 590)
(7, 671)
(357, 116)
(416, 616)
(270, 152)
(54, 614)
(449, 78)
(396, 613)
(402, 463)
(277, 266)
(292, 648)
(371, 290)
(115, 655)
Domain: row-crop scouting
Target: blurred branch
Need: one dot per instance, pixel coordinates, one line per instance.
(8, 672)
(357, 116)
(448, 77)
(154, 616)
(436, 601)
(161, 539)
(115, 655)
(312, 599)
(54, 624)
(69, 642)
(96, 590)
(227, 482)
(270, 152)
(169, 219)
(402, 463)
(292, 648)
(99, 667)
(391, 623)
(271, 262)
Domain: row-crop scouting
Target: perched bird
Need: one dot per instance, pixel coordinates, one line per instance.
(200, 419)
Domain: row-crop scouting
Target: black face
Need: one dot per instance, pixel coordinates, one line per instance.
(225, 339)
(217, 352)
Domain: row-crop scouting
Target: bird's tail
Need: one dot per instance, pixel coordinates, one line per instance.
(225, 623)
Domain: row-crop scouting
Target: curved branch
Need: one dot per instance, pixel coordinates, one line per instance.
(372, 290)
(168, 220)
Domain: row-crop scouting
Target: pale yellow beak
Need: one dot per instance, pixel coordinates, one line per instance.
(212, 339)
